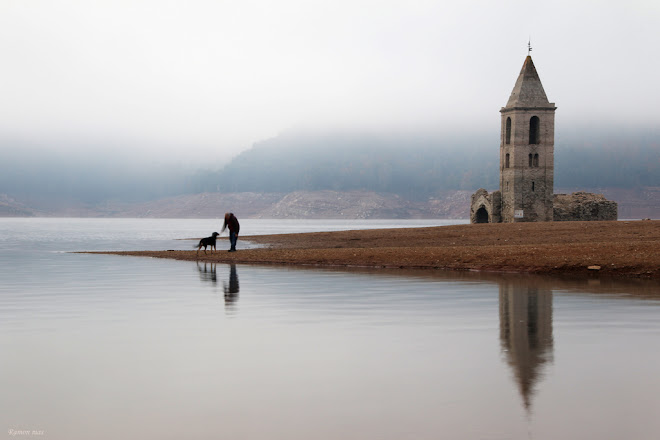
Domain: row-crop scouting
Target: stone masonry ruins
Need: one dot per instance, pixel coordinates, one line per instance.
(527, 141)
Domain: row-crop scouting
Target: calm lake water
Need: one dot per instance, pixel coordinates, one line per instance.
(108, 347)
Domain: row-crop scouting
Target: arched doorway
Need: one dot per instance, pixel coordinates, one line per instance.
(481, 216)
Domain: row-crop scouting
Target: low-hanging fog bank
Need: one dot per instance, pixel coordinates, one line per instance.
(411, 165)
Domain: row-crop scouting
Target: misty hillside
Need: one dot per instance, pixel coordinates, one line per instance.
(417, 166)
(412, 166)
(51, 176)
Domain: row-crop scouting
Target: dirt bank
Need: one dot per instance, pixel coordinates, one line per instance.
(627, 249)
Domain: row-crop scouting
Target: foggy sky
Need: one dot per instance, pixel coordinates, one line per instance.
(181, 77)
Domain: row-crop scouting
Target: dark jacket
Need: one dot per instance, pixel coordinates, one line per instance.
(231, 222)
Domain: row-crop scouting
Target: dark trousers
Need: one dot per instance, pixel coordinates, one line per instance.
(233, 238)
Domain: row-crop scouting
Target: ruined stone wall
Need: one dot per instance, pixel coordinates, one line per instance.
(583, 206)
(486, 208)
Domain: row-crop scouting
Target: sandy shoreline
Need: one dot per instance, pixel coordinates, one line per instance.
(618, 249)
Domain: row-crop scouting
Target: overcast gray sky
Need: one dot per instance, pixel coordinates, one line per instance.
(219, 75)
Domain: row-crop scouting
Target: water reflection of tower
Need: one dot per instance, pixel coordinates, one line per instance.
(526, 332)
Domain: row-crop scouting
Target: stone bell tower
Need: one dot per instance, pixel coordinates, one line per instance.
(527, 151)
(527, 165)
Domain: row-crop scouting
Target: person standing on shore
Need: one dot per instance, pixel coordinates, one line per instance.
(231, 222)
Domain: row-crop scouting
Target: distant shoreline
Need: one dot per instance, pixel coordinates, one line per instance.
(634, 203)
(613, 249)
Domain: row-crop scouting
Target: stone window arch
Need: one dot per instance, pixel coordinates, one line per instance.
(536, 160)
(533, 186)
(506, 160)
(535, 130)
(507, 131)
(531, 160)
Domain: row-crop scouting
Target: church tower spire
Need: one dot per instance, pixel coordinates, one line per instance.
(527, 150)
(528, 90)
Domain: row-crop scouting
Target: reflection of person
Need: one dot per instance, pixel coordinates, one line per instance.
(231, 222)
(231, 290)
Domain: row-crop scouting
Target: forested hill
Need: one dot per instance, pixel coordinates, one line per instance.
(411, 166)
(417, 166)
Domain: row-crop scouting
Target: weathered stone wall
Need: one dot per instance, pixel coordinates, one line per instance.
(527, 185)
(486, 208)
(583, 206)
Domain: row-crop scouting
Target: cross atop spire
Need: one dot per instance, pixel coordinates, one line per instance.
(529, 46)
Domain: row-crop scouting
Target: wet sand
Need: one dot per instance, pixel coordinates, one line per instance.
(619, 249)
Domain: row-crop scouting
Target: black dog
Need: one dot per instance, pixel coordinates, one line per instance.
(208, 241)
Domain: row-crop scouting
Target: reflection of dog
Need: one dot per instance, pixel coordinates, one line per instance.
(208, 241)
(207, 273)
